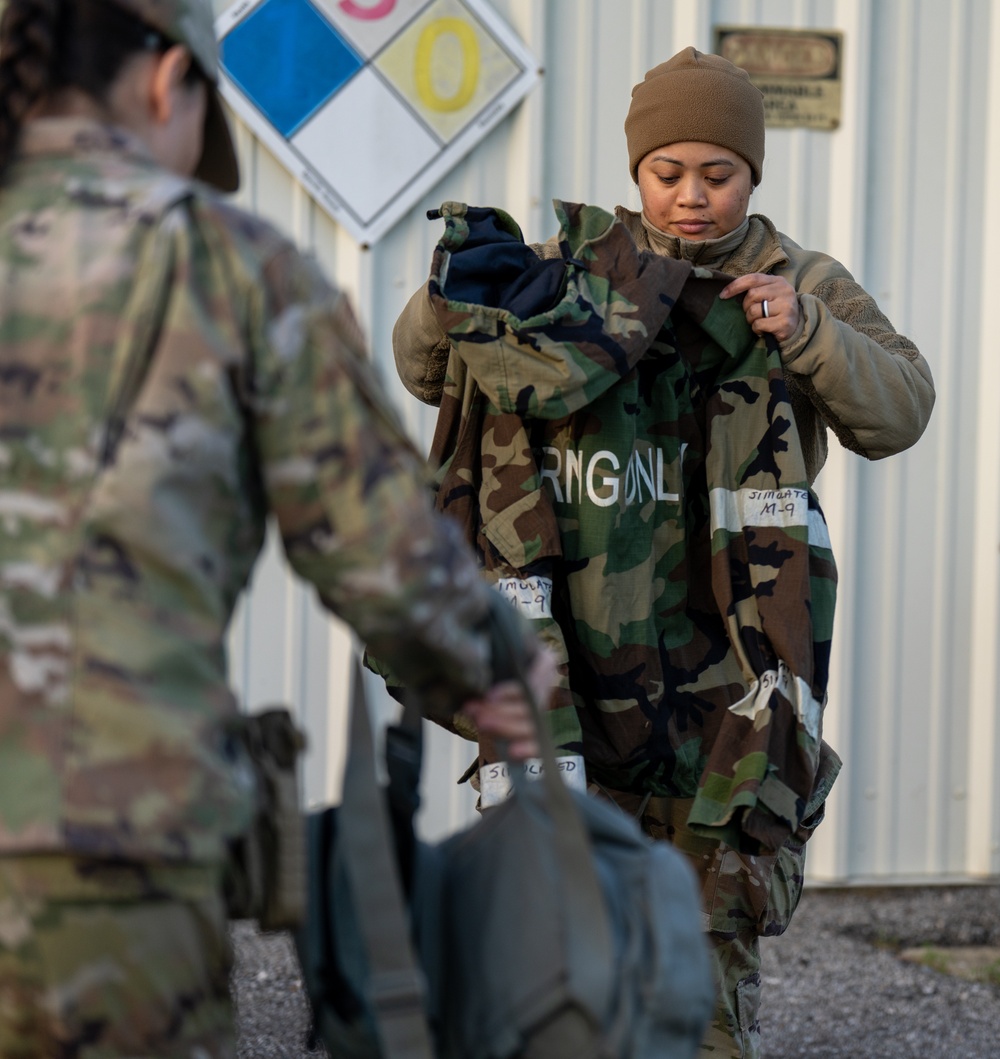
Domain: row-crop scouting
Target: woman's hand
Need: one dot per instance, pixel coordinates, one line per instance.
(503, 712)
(771, 293)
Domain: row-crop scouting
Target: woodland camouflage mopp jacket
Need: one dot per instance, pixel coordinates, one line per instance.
(621, 449)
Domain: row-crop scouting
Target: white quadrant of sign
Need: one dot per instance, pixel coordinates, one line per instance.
(385, 144)
(370, 102)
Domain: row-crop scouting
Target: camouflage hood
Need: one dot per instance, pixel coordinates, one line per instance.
(484, 278)
(621, 449)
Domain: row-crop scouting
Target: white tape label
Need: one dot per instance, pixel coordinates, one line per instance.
(531, 595)
(495, 784)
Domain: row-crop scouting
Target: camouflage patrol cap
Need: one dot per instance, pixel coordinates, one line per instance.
(190, 22)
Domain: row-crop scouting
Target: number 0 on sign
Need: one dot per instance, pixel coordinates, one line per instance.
(370, 102)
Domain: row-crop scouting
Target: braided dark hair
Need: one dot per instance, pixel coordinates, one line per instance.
(27, 56)
(48, 45)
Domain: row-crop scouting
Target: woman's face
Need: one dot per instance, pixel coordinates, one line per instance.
(694, 190)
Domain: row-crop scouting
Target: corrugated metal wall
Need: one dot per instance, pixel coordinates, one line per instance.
(901, 194)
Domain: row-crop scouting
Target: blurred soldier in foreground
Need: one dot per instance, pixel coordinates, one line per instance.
(172, 372)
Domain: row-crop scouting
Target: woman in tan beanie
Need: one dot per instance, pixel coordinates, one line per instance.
(695, 134)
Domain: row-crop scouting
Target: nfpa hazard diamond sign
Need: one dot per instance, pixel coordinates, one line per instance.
(370, 102)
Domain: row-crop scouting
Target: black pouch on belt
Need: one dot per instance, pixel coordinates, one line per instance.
(265, 876)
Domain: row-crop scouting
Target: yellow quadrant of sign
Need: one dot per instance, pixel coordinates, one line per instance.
(447, 66)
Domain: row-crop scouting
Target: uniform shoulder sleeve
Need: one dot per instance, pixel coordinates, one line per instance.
(350, 492)
(421, 349)
(869, 383)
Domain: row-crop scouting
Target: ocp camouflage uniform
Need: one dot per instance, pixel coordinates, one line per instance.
(173, 373)
(622, 450)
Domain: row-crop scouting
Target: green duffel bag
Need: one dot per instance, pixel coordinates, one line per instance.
(550, 929)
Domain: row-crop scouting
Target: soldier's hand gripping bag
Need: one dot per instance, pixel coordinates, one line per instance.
(552, 928)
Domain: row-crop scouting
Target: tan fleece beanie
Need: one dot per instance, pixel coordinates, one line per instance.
(695, 96)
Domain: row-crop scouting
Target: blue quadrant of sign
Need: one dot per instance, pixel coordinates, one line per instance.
(288, 60)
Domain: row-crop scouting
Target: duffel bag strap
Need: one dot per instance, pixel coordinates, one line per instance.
(396, 983)
(590, 951)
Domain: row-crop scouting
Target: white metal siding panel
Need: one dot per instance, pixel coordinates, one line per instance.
(982, 436)
(899, 194)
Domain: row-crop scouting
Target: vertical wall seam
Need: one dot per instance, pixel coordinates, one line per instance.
(983, 842)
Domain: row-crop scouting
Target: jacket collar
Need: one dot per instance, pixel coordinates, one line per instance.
(705, 252)
(73, 136)
(759, 251)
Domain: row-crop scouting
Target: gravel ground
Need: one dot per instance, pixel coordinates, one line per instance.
(835, 986)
